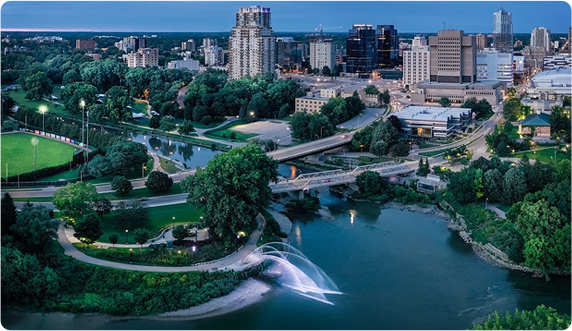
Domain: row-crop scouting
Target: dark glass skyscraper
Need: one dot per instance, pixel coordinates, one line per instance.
(387, 46)
(361, 50)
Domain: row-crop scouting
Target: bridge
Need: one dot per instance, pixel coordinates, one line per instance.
(312, 147)
(306, 182)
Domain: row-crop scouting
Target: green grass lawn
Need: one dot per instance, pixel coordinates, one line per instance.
(167, 165)
(160, 218)
(225, 132)
(544, 155)
(18, 152)
(139, 107)
(200, 125)
(53, 107)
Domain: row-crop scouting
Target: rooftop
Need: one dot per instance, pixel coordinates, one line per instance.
(430, 113)
(314, 98)
(558, 77)
(541, 119)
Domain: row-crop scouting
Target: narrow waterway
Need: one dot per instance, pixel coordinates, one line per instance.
(397, 269)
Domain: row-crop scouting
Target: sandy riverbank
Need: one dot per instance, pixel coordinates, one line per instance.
(249, 292)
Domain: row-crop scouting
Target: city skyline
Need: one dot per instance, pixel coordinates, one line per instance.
(287, 16)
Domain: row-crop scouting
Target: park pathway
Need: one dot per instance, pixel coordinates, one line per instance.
(231, 262)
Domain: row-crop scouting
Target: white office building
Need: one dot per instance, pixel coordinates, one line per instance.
(322, 53)
(541, 37)
(252, 44)
(492, 65)
(188, 64)
(214, 55)
(416, 65)
(434, 122)
(419, 41)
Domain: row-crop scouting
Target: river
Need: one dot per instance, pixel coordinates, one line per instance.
(397, 270)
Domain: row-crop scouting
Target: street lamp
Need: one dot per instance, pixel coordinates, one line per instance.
(130, 255)
(82, 104)
(126, 237)
(87, 136)
(35, 142)
(43, 109)
(173, 224)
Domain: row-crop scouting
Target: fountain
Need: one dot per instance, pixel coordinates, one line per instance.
(295, 271)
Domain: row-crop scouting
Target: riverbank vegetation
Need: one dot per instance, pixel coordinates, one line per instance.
(541, 318)
(536, 231)
(375, 188)
(381, 138)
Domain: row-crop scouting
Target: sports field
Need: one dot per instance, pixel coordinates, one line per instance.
(18, 152)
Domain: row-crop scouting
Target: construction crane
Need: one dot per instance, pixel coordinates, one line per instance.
(320, 28)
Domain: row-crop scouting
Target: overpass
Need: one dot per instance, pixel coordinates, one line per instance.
(306, 182)
(312, 147)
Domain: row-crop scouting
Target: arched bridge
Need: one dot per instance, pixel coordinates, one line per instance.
(337, 177)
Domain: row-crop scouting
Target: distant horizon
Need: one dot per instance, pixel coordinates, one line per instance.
(296, 17)
(275, 31)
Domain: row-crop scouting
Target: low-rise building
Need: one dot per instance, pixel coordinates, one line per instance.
(430, 184)
(310, 104)
(536, 124)
(551, 83)
(85, 44)
(329, 93)
(189, 64)
(425, 92)
(540, 105)
(434, 122)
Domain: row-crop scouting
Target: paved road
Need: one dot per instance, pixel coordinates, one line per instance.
(233, 262)
(368, 116)
(166, 200)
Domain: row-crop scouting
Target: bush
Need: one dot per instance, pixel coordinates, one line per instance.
(121, 185)
(305, 205)
(158, 182)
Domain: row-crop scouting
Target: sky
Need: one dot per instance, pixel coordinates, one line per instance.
(295, 16)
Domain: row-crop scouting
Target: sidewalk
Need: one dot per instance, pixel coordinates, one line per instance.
(231, 262)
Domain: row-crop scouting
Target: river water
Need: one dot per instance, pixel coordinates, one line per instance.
(397, 269)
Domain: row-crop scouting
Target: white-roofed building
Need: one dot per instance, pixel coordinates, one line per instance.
(551, 83)
(434, 122)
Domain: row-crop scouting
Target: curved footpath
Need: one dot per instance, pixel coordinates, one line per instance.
(231, 262)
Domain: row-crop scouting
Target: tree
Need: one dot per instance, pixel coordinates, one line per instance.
(75, 199)
(71, 76)
(370, 89)
(8, 213)
(121, 185)
(540, 175)
(466, 185)
(167, 123)
(514, 186)
(141, 236)
(180, 233)
(310, 126)
(116, 103)
(394, 120)
(445, 102)
(76, 92)
(492, 183)
(511, 109)
(158, 182)
(385, 97)
(383, 137)
(399, 150)
(258, 106)
(37, 86)
(99, 166)
(326, 71)
(131, 214)
(186, 127)
(102, 206)
(34, 228)
(88, 229)
(563, 170)
(24, 280)
(113, 239)
(155, 122)
(232, 188)
(370, 183)
(126, 155)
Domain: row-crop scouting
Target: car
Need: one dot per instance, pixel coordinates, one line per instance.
(344, 136)
(142, 199)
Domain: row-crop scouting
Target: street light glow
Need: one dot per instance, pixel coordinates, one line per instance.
(43, 109)
(82, 103)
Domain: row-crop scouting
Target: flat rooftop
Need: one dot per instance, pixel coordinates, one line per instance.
(430, 113)
(314, 98)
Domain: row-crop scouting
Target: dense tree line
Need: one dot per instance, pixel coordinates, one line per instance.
(481, 108)
(541, 318)
(209, 94)
(119, 159)
(381, 138)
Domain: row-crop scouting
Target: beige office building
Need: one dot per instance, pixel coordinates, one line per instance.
(144, 57)
(453, 57)
(310, 104)
(252, 44)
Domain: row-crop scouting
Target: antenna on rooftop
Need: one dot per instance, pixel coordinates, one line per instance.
(444, 25)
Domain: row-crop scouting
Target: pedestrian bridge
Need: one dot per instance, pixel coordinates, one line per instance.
(306, 182)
